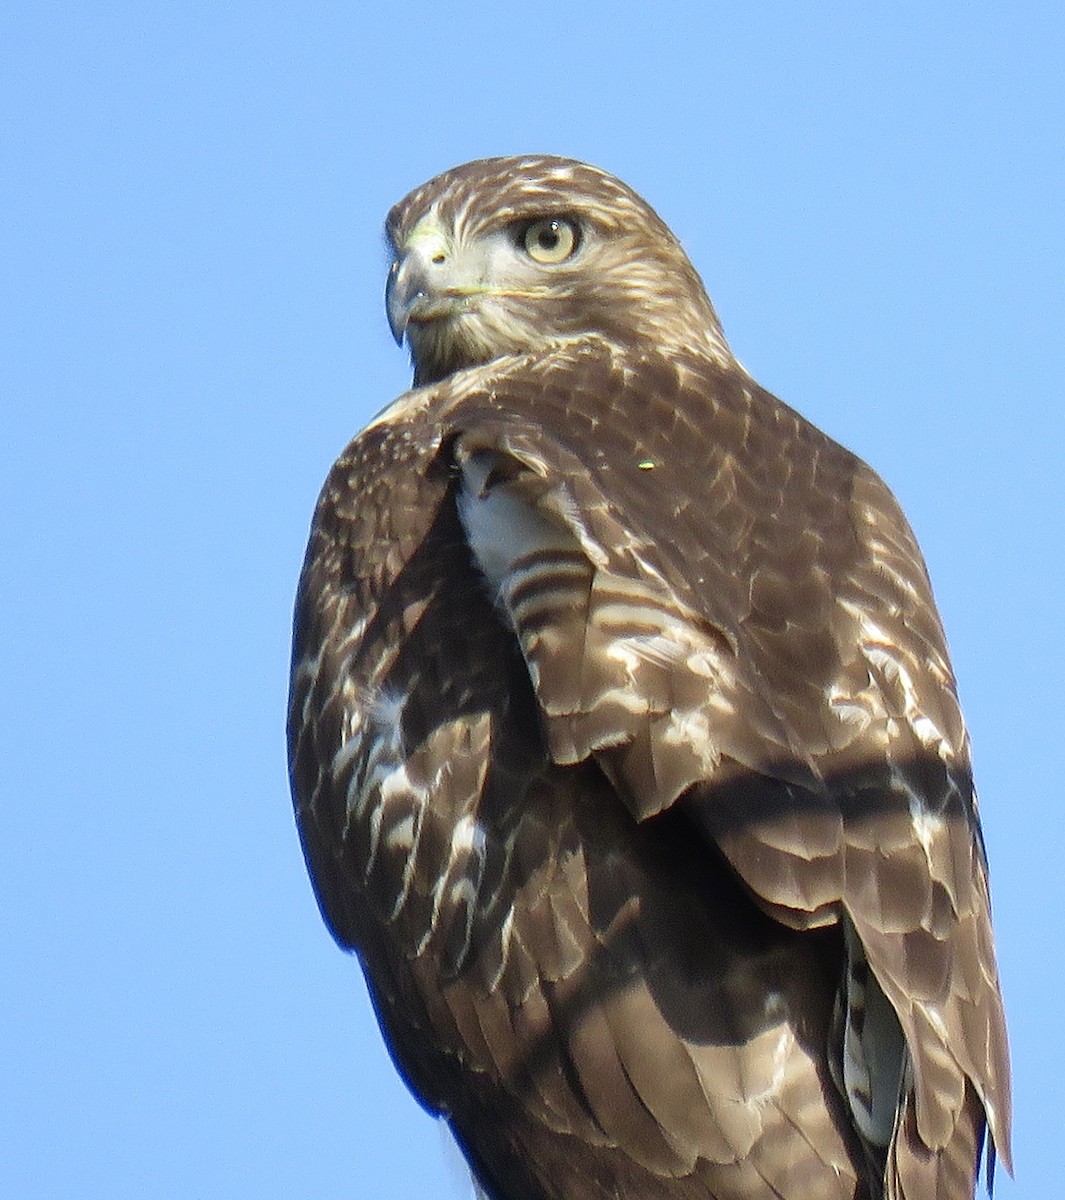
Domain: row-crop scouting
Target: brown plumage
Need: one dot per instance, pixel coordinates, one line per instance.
(624, 741)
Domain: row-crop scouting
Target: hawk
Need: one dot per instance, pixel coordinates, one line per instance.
(624, 742)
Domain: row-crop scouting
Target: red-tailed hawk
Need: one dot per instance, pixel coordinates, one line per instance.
(624, 741)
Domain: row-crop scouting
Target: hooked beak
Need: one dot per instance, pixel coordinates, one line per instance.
(401, 291)
(421, 282)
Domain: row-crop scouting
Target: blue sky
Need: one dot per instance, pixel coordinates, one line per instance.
(191, 273)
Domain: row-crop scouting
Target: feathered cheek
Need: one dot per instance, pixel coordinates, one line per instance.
(502, 326)
(466, 338)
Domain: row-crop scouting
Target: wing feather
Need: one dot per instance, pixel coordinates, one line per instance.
(596, 578)
(765, 644)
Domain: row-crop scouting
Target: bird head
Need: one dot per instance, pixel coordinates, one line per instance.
(507, 256)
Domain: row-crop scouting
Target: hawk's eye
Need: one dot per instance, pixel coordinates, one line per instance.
(549, 240)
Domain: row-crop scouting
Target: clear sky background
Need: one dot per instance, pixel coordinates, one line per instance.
(191, 275)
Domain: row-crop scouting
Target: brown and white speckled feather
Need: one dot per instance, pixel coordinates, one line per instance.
(625, 745)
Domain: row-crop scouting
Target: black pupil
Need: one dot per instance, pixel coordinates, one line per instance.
(549, 236)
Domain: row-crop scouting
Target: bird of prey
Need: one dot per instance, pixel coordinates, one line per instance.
(624, 742)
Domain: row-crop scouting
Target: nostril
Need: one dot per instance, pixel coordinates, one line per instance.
(439, 258)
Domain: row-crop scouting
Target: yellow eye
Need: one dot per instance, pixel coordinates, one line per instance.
(550, 240)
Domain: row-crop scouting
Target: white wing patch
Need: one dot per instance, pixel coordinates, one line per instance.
(501, 528)
(874, 1050)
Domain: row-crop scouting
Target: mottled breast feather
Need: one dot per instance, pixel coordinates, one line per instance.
(627, 756)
